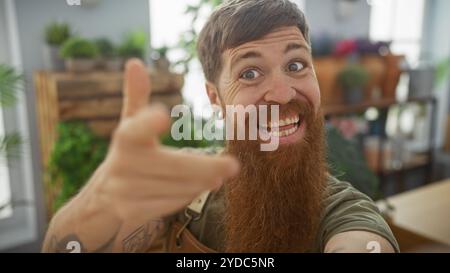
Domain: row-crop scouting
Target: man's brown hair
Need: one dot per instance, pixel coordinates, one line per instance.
(237, 22)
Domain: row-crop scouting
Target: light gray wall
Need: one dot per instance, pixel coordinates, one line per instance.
(435, 47)
(4, 56)
(111, 18)
(321, 15)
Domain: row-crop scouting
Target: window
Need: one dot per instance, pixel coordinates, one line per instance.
(399, 21)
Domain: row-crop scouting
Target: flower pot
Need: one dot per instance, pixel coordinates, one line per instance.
(80, 65)
(353, 95)
(421, 82)
(52, 59)
(162, 64)
(327, 69)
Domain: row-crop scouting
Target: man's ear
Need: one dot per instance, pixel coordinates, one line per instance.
(213, 94)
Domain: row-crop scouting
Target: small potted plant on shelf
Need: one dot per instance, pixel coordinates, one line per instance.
(160, 60)
(79, 55)
(134, 45)
(352, 79)
(55, 35)
(109, 55)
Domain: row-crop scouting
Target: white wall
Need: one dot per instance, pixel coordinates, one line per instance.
(436, 46)
(322, 18)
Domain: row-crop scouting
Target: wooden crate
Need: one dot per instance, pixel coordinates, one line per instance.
(95, 98)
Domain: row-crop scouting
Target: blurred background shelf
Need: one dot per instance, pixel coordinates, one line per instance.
(94, 98)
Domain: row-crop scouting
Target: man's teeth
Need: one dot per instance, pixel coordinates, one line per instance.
(284, 133)
(285, 122)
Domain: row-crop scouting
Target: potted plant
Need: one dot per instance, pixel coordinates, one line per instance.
(11, 82)
(109, 55)
(79, 55)
(134, 45)
(159, 58)
(352, 79)
(55, 35)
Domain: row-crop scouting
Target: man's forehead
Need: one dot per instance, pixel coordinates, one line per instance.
(279, 36)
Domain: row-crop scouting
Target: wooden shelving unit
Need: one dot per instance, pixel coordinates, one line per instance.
(94, 98)
(424, 160)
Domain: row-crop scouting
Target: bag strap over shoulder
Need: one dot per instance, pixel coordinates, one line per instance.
(197, 205)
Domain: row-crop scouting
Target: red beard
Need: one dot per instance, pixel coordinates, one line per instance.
(275, 203)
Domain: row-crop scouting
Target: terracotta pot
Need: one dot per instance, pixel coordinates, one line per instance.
(393, 72)
(327, 70)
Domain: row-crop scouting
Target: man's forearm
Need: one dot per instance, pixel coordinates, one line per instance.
(92, 229)
(138, 240)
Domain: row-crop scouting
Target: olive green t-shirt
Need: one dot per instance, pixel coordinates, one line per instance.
(346, 209)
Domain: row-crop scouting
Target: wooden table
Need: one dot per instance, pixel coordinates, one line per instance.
(421, 218)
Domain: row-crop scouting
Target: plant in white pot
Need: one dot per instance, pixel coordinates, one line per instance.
(79, 55)
(109, 55)
(55, 35)
(352, 79)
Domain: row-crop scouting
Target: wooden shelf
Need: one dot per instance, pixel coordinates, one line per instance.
(417, 161)
(342, 109)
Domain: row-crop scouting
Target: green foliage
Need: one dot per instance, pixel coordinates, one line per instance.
(203, 143)
(442, 71)
(106, 48)
(134, 45)
(75, 156)
(79, 48)
(10, 82)
(162, 51)
(188, 40)
(347, 163)
(11, 146)
(57, 33)
(353, 76)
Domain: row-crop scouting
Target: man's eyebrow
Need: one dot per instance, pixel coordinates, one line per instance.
(247, 55)
(293, 46)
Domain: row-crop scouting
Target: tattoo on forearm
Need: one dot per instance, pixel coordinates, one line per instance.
(138, 241)
(141, 238)
(73, 244)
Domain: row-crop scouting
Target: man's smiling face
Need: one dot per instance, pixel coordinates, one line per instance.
(274, 70)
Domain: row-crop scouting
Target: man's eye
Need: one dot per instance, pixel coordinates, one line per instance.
(250, 74)
(295, 67)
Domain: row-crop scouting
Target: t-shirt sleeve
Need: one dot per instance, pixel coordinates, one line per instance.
(347, 209)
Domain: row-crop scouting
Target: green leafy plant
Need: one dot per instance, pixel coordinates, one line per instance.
(442, 71)
(57, 33)
(167, 139)
(162, 51)
(75, 156)
(79, 48)
(353, 77)
(134, 45)
(10, 144)
(10, 82)
(347, 163)
(188, 40)
(106, 48)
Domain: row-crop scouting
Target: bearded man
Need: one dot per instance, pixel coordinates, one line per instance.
(239, 199)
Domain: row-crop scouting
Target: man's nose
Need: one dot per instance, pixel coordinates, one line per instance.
(279, 91)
